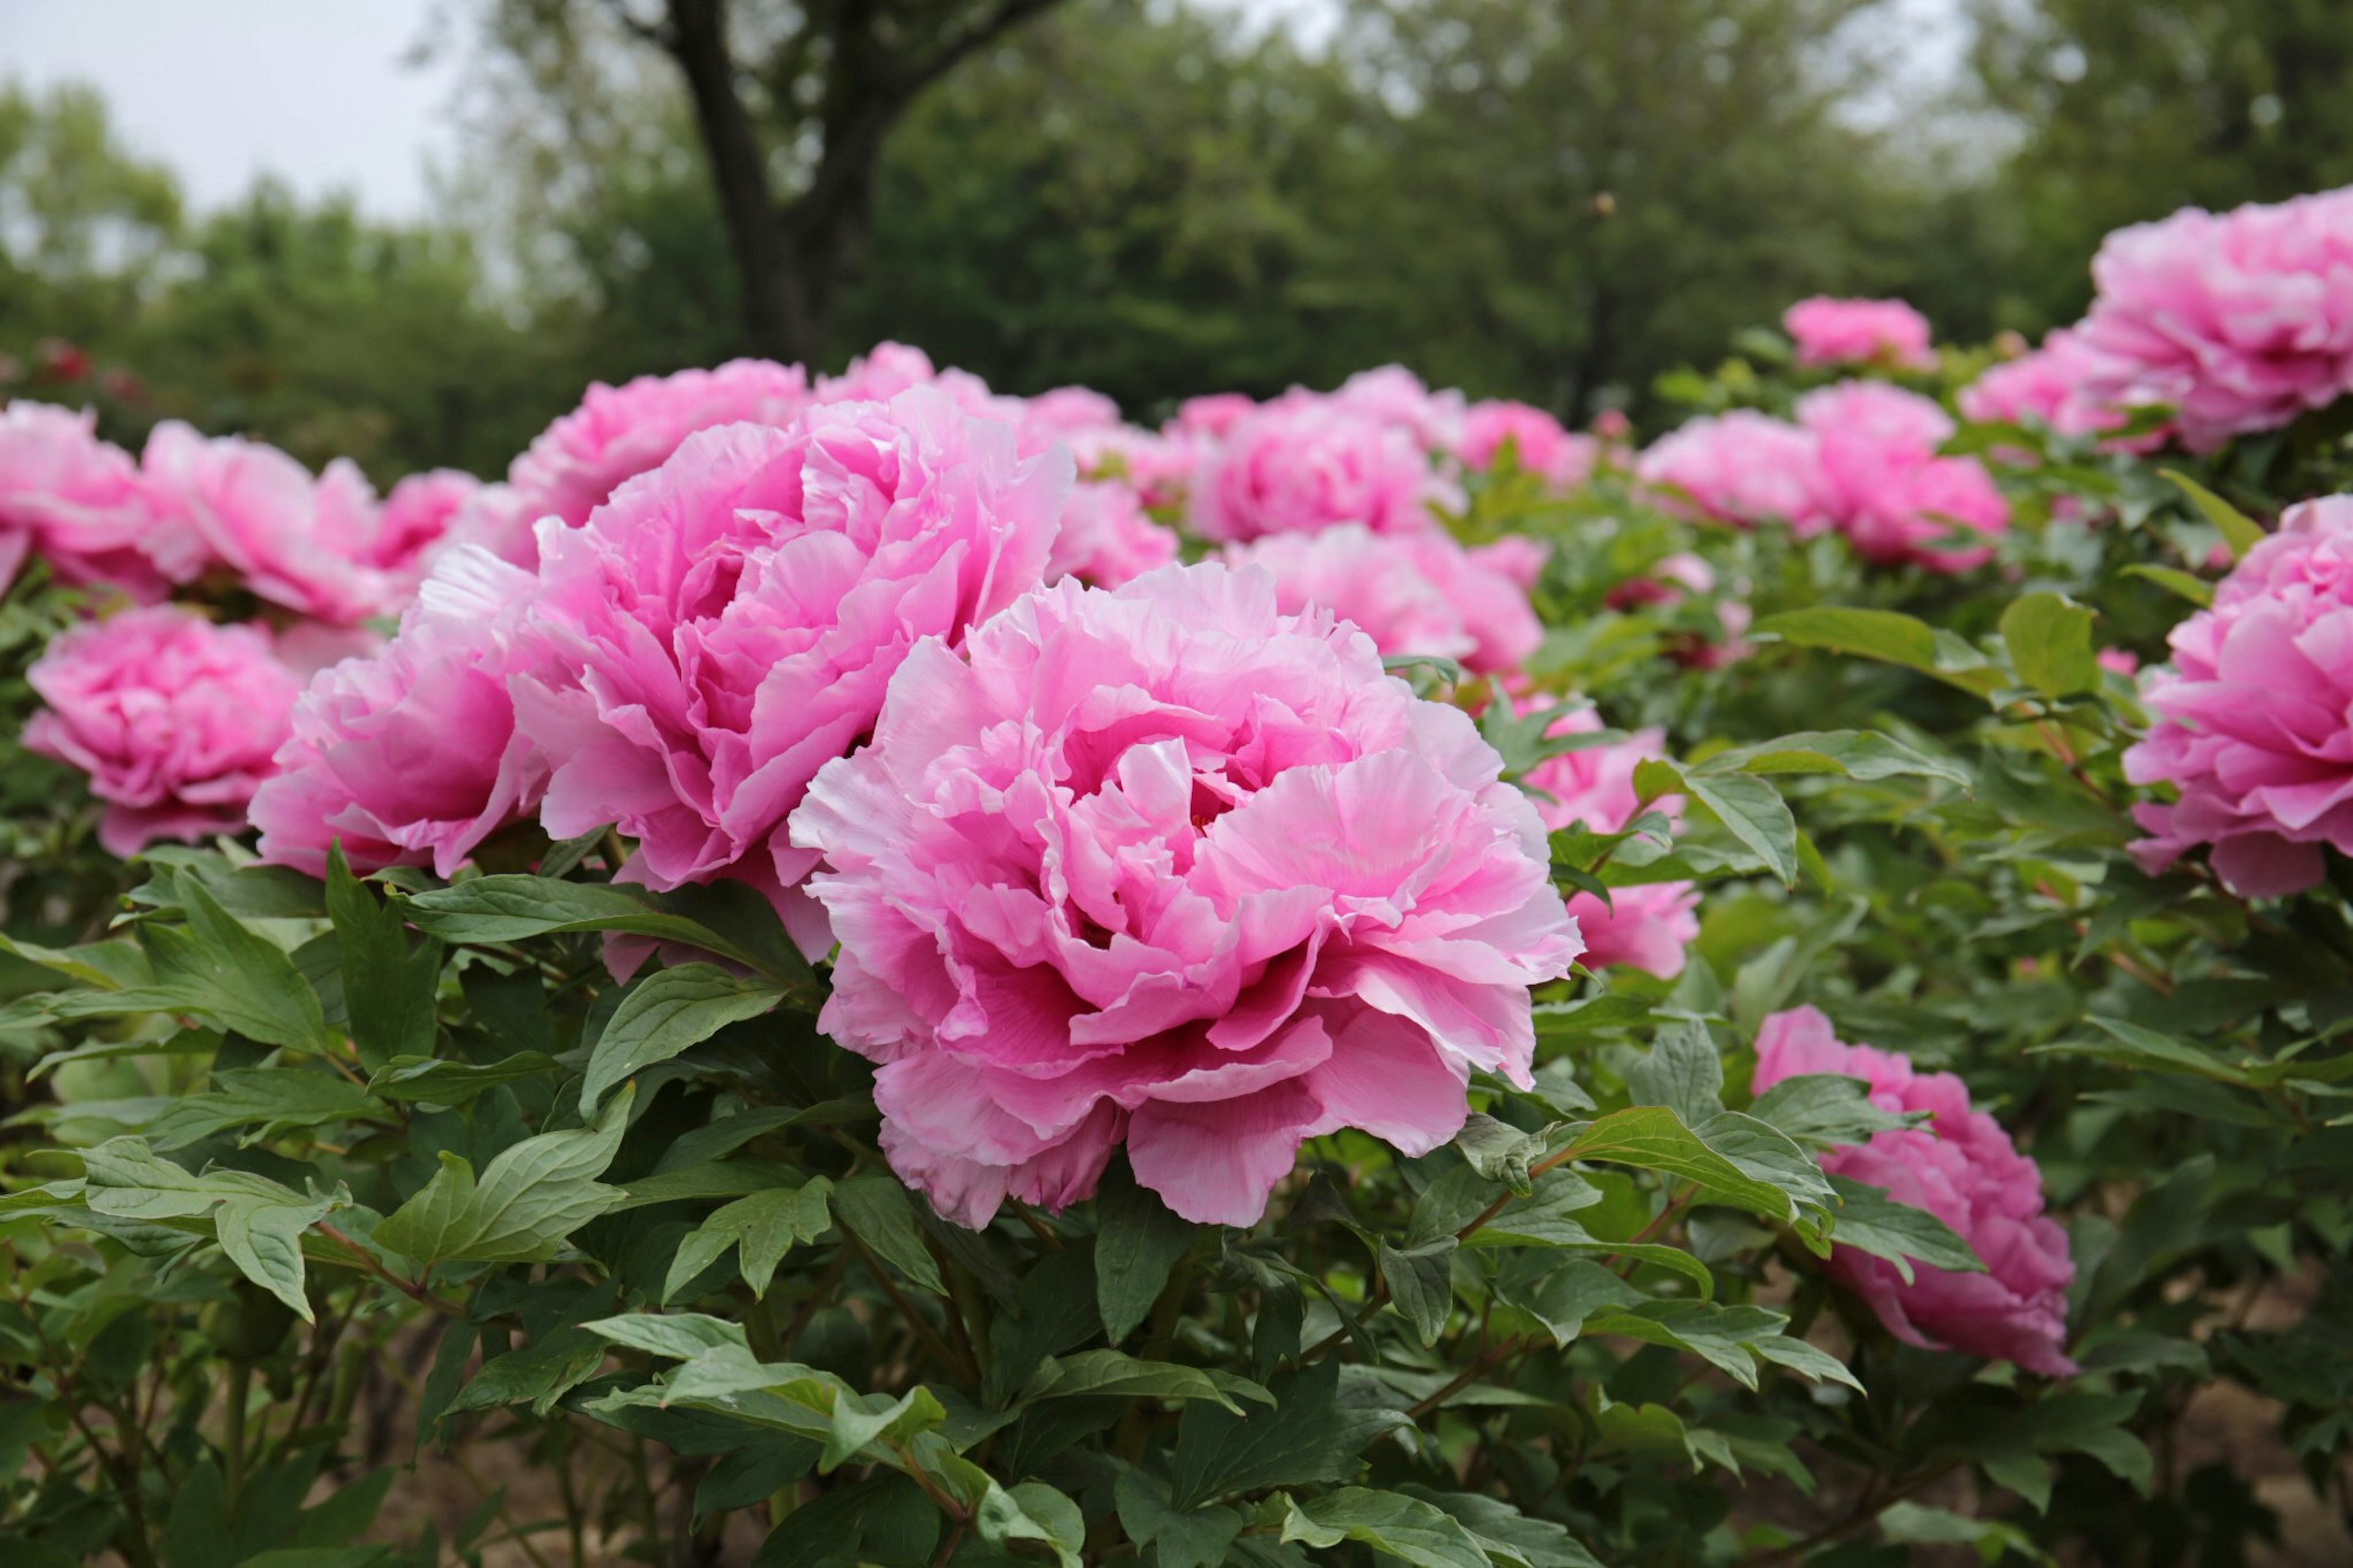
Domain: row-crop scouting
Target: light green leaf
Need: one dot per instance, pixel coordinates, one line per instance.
(666, 1014)
(2050, 643)
(727, 920)
(2239, 531)
(1391, 1524)
(531, 1197)
(1682, 1072)
(268, 1100)
(763, 1227)
(1422, 1283)
(1868, 1220)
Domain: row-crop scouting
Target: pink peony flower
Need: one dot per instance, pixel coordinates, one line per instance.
(2249, 724)
(78, 502)
(1743, 467)
(1649, 927)
(2240, 322)
(879, 375)
(1296, 467)
(619, 432)
(1064, 413)
(1214, 414)
(1543, 447)
(1672, 579)
(1515, 556)
(298, 542)
(1105, 539)
(1883, 486)
(1156, 466)
(1393, 396)
(410, 756)
(727, 623)
(1959, 1166)
(2118, 662)
(1859, 331)
(173, 719)
(1411, 593)
(417, 516)
(1130, 873)
(2051, 386)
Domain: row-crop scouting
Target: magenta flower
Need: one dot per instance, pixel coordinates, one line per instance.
(1299, 466)
(77, 502)
(1743, 467)
(1544, 448)
(727, 623)
(418, 515)
(1959, 1166)
(619, 432)
(301, 542)
(1649, 927)
(173, 719)
(1884, 487)
(2240, 322)
(410, 756)
(2249, 724)
(1130, 873)
(1411, 593)
(1859, 331)
(1105, 539)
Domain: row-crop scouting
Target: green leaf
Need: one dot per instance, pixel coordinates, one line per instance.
(861, 1419)
(1827, 1109)
(721, 919)
(1868, 1220)
(532, 1195)
(680, 1336)
(1651, 1138)
(1110, 1371)
(1307, 1437)
(2050, 643)
(2129, 1045)
(2239, 531)
(1499, 1152)
(1196, 1538)
(439, 1081)
(1682, 1072)
(1506, 1533)
(1799, 1356)
(1422, 1283)
(268, 1100)
(762, 1226)
(1393, 1524)
(1882, 634)
(216, 969)
(2173, 580)
(389, 991)
(263, 1238)
(877, 1212)
(666, 1014)
(550, 1368)
(1032, 1511)
(1754, 812)
(1137, 1243)
(1864, 754)
(1718, 1335)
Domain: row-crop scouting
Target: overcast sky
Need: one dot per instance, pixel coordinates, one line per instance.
(330, 94)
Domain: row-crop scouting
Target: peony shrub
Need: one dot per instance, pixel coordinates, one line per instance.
(863, 968)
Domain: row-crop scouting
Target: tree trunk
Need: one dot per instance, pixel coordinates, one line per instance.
(769, 273)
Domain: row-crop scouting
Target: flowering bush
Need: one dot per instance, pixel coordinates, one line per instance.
(860, 969)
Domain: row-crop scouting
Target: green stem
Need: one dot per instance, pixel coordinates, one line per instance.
(240, 1394)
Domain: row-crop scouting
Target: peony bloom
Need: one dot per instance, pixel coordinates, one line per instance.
(298, 542)
(1859, 331)
(410, 757)
(1130, 873)
(1104, 537)
(1394, 397)
(878, 375)
(619, 432)
(1213, 414)
(2240, 322)
(2250, 723)
(1649, 927)
(1298, 466)
(1065, 415)
(1743, 467)
(418, 515)
(77, 502)
(1411, 593)
(1155, 465)
(1542, 447)
(173, 719)
(2051, 386)
(1883, 486)
(1959, 1166)
(727, 623)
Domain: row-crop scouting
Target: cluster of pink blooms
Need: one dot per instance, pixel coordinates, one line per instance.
(2249, 723)
(1109, 845)
(1649, 926)
(1959, 1165)
(2237, 321)
(1860, 460)
(1882, 332)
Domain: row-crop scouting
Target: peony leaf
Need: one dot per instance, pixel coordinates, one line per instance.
(2050, 643)
(668, 1012)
